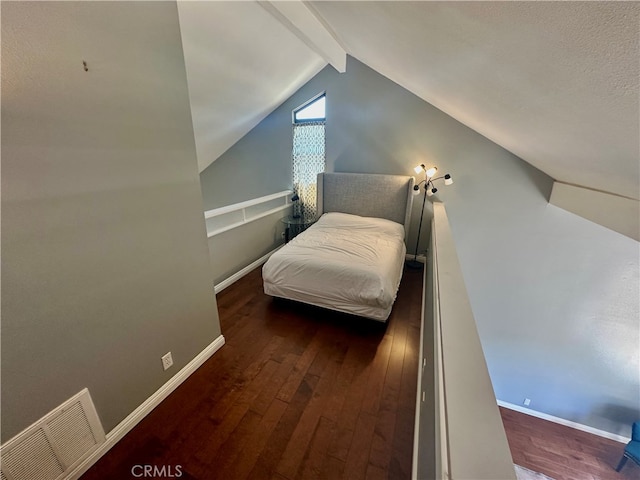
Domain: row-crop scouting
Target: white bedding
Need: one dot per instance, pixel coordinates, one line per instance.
(343, 262)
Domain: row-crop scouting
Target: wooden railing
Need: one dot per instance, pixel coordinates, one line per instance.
(463, 435)
(225, 218)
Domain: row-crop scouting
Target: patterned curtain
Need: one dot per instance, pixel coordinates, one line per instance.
(308, 161)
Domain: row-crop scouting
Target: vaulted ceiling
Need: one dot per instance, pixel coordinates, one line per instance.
(241, 64)
(556, 83)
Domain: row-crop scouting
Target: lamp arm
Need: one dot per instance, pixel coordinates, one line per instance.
(428, 181)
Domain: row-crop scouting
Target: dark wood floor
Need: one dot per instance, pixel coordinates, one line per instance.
(296, 393)
(563, 453)
(299, 392)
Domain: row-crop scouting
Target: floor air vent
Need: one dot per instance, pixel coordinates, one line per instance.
(55, 444)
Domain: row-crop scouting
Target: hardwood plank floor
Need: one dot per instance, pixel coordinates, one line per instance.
(561, 452)
(296, 392)
(299, 392)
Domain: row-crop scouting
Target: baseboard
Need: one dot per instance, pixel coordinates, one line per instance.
(126, 425)
(562, 421)
(237, 276)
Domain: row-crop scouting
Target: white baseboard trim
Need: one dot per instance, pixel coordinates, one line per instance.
(237, 276)
(562, 421)
(126, 425)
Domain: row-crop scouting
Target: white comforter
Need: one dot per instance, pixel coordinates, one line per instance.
(344, 262)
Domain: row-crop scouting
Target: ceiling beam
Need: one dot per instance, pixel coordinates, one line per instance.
(620, 214)
(304, 24)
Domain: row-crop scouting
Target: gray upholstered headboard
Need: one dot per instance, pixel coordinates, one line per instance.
(367, 195)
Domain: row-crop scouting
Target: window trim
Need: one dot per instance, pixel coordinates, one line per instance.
(305, 105)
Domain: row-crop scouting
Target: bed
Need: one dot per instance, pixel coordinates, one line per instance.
(351, 259)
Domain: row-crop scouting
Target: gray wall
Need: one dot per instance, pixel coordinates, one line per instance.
(104, 253)
(555, 296)
(245, 172)
(258, 164)
(234, 249)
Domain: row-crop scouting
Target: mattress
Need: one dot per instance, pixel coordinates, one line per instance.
(343, 262)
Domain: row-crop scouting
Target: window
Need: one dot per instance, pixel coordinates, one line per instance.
(311, 111)
(308, 156)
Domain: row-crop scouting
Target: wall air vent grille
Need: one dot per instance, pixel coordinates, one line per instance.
(55, 444)
(32, 458)
(71, 434)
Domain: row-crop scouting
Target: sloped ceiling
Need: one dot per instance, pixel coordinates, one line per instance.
(555, 83)
(241, 64)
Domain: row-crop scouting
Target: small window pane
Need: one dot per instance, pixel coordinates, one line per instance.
(313, 111)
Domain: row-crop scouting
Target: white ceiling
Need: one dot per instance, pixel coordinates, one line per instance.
(241, 64)
(556, 83)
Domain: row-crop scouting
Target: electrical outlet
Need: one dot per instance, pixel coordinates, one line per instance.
(527, 402)
(167, 361)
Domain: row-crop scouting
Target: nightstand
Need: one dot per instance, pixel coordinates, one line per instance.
(295, 226)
